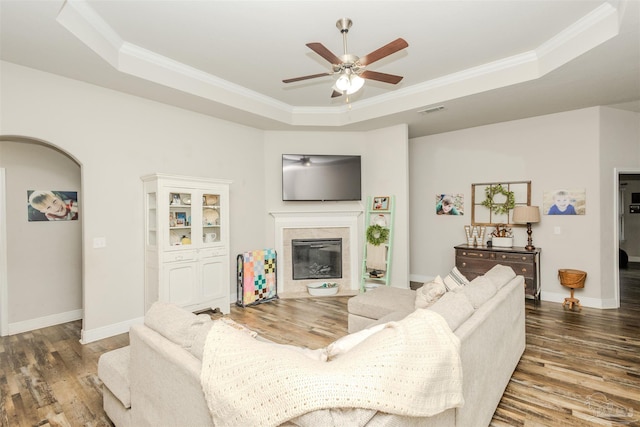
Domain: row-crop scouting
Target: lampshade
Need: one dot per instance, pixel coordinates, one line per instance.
(349, 83)
(526, 214)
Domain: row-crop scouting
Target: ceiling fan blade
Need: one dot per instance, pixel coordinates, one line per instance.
(381, 77)
(312, 76)
(336, 94)
(324, 52)
(385, 50)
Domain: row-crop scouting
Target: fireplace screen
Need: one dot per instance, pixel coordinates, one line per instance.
(316, 258)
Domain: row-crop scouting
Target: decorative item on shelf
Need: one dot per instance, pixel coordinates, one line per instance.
(185, 240)
(380, 220)
(479, 237)
(502, 237)
(186, 199)
(377, 235)
(181, 218)
(527, 215)
(467, 232)
(211, 199)
(499, 208)
(380, 203)
(172, 220)
(210, 237)
(475, 235)
(211, 217)
(376, 274)
(175, 199)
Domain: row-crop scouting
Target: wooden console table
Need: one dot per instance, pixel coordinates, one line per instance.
(473, 261)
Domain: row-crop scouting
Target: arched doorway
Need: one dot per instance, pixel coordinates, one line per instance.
(41, 283)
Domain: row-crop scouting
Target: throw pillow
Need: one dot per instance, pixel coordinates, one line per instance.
(479, 291)
(500, 275)
(429, 293)
(455, 279)
(346, 343)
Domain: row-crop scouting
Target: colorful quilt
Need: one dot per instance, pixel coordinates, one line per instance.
(257, 277)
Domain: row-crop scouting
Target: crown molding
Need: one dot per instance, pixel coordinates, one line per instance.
(88, 26)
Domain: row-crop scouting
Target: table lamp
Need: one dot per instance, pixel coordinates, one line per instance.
(527, 215)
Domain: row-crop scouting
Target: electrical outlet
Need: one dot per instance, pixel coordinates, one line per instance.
(99, 242)
(557, 230)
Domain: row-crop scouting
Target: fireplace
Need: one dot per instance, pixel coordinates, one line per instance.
(316, 258)
(326, 225)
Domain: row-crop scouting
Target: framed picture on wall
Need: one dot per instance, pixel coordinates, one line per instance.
(52, 205)
(449, 204)
(564, 202)
(380, 203)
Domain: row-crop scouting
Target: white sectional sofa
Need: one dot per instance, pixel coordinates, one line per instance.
(156, 381)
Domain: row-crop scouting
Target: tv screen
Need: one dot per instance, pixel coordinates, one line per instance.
(321, 177)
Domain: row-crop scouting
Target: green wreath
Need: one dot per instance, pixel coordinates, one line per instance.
(498, 208)
(377, 234)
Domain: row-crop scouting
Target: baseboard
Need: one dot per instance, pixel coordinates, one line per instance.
(91, 335)
(420, 278)
(44, 322)
(634, 259)
(584, 301)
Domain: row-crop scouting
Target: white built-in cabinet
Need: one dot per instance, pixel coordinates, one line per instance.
(187, 241)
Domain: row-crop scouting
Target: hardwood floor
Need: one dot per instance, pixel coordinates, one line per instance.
(580, 368)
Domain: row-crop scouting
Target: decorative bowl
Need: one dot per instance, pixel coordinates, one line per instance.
(502, 242)
(322, 289)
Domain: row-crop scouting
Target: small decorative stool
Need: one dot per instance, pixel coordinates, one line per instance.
(573, 279)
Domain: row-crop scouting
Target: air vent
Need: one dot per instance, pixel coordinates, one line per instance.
(429, 110)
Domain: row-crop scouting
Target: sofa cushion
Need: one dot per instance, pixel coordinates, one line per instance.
(479, 291)
(381, 301)
(180, 326)
(429, 293)
(113, 371)
(500, 275)
(455, 307)
(455, 279)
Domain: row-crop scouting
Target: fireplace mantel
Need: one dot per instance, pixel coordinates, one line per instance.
(313, 220)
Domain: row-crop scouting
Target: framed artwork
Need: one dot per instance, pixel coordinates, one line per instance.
(52, 205)
(564, 202)
(380, 203)
(449, 204)
(492, 203)
(181, 218)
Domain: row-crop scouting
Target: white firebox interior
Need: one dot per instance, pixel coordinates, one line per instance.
(316, 225)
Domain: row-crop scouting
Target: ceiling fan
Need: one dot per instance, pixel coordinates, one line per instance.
(351, 69)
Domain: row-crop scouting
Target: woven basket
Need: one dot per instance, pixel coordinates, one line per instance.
(572, 278)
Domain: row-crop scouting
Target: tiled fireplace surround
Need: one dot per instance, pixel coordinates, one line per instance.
(316, 225)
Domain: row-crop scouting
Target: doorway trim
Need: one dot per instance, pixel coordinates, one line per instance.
(616, 229)
(4, 291)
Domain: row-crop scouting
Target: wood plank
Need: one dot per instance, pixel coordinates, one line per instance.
(580, 368)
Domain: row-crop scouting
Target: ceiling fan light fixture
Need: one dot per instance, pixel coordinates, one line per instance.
(356, 83)
(343, 83)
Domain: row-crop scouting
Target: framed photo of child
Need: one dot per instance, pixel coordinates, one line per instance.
(52, 205)
(449, 204)
(564, 202)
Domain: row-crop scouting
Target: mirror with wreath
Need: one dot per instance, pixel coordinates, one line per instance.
(492, 203)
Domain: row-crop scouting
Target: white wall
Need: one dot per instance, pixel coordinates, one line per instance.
(45, 278)
(384, 153)
(118, 138)
(562, 150)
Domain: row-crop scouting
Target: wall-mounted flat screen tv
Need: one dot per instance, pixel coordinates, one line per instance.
(315, 177)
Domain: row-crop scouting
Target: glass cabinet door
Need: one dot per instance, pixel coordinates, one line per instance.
(179, 219)
(211, 218)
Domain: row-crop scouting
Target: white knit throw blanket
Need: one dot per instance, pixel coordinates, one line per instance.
(412, 368)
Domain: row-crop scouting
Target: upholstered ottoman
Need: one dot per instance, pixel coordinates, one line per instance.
(113, 370)
(381, 304)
